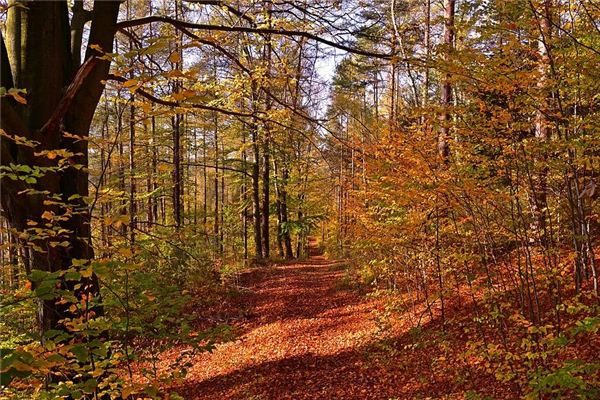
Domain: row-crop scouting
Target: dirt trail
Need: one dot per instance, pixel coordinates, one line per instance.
(302, 335)
(302, 339)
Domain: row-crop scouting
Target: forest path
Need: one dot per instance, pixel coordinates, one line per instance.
(303, 337)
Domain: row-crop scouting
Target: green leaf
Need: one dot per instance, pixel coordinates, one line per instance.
(72, 276)
(37, 275)
(90, 385)
(80, 352)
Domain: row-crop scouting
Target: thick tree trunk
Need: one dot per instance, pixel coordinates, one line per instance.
(38, 47)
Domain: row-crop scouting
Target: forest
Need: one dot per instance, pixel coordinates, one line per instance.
(299, 199)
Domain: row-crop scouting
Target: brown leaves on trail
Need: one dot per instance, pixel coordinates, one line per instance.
(299, 341)
(301, 337)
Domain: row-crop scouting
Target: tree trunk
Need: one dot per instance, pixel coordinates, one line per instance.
(256, 193)
(132, 187)
(278, 207)
(244, 198)
(38, 47)
(543, 129)
(287, 240)
(216, 181)
(444, 136)
(265, 199)
(176, 126)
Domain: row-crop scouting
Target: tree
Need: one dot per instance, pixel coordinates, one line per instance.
(38, 45)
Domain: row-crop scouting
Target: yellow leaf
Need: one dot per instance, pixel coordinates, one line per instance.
(20, 366)
(127, 391)
(189, 93)
(174, 74)
(96, 47)
(51, 155)
(125, 252)
(130, 83)
(86, 273)
(175, 57)
(179, 96)
(47, 215)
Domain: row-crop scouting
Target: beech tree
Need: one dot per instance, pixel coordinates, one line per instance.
(41, 55)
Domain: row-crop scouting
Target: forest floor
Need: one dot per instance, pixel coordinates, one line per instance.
(303, 334)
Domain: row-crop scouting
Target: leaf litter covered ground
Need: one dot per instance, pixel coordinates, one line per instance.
(304, 335)
(301, 339)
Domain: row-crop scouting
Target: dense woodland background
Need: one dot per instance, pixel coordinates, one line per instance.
(156, 152)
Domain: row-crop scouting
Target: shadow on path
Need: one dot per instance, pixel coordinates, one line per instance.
(305, 338)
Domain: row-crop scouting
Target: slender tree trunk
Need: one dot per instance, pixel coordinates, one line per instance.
(222, 210)
(132, 183)
(176, 121)
(244, 196)
(122, 184)
(265, 199)
(287, 240)
(543, 128)
(425, 95)
(278, 207)
(266, 161)
(176, 127)
(446, 100)
(153, 212)
(195, 181)
(256, 193)
(205, 182)
(216, 182)
(105, 133)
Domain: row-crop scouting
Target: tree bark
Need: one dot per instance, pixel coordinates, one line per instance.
(446, 98)
(542, 127)
(176, 126)
(256, 193)
(39, 46)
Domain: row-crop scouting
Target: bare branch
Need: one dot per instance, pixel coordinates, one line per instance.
(273, 31)
(168, 103)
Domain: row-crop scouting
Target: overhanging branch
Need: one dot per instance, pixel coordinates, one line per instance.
(273, 31)
(169, 103)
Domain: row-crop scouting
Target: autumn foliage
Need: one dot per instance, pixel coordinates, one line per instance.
(262, 199)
